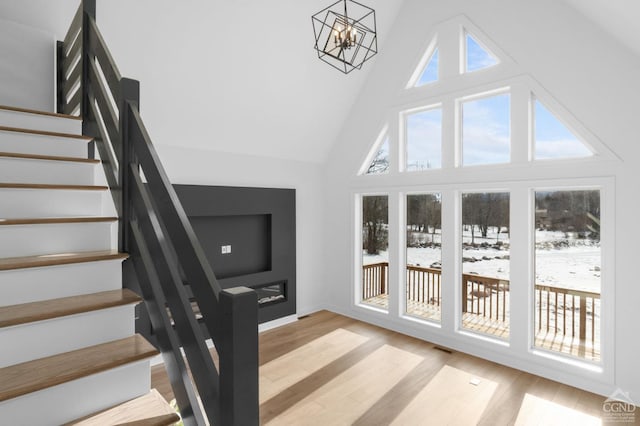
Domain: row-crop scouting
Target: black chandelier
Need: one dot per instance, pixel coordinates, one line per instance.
(345, 34)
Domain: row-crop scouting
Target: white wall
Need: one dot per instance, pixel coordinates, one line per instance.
(587, 72)
(213, 67)
(26, 68)
(199, 167)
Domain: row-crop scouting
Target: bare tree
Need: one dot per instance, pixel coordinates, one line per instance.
(424, 213)
(375, 219)
(380, 163)
(485, 210)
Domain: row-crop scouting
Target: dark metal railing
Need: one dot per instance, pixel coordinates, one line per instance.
(158, 236)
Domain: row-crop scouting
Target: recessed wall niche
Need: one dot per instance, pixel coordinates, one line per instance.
(249, 238)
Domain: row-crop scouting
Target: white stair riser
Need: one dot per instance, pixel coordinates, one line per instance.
(79, 398)
(19, 170)
(39, 122)
(52, 282)
(27, 342)
(33, 240)
(38, 203)
(26, 143)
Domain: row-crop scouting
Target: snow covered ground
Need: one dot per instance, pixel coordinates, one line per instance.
(561, 260)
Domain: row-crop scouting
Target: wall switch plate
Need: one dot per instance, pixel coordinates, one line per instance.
(225, 249)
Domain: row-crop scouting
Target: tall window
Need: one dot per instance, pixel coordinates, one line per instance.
(375, 255)
(424, 256)
(485, 263)
(567, 272)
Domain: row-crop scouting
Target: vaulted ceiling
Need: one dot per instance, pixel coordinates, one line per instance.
(241, 76)
(617, 17)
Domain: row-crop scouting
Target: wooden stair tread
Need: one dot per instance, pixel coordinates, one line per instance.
(37, 112)
(148, 410)
(32, 376)
(46, 133)
(52, 186)
(59, 259)
(164, 420)
(54, 308)
(48, 157)
(58, 220)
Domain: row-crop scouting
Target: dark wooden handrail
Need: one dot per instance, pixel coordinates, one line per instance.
(155, 231)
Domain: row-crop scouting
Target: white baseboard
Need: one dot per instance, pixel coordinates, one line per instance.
(277, 323)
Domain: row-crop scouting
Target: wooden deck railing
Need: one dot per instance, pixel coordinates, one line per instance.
(423, 285)
(485, 296)
(560, 311)
(568, 312)
(374, 280)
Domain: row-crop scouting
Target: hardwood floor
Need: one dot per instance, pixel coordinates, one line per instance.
(326, 369)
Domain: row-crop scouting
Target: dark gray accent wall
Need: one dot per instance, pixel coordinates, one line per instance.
(260, 226)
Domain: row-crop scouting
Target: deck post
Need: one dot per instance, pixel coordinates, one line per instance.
(583, 318)
(464, 293)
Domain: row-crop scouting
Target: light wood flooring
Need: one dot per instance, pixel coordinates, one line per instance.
(326, 369)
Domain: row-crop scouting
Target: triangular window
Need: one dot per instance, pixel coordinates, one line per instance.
(377, 162)
(553, 139)
(430, 72)
(478, 57)
(427, 71)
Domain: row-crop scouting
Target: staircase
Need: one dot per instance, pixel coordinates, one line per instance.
(68, 347)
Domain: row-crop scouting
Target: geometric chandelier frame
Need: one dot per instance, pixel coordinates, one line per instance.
(345, 34)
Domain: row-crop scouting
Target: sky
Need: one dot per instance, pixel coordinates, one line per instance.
(477, 57)
(430, 73)
(553, 139)
(486, 130)
(424, 140)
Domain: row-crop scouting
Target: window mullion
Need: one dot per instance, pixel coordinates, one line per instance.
(520, 228)
(449, 42)
(450, 260)
(395, 257)
(449, 134)
(521, 132)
